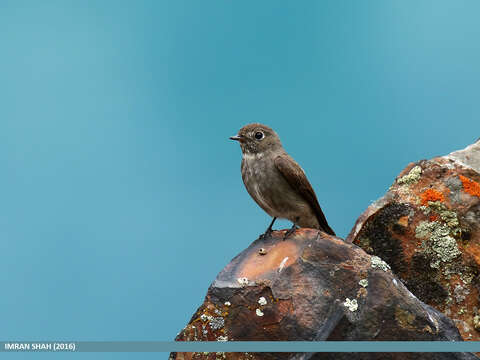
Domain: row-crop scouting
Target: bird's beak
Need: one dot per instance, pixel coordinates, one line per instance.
(236, 138)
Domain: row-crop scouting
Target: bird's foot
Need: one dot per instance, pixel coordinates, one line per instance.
(269, 230)
(266, 234)
(289, 232)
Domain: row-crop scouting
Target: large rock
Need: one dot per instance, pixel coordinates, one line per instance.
(312, 286)
(427, 228)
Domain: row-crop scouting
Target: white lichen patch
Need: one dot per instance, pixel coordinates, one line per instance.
(222, 338)
(217, 323)
(351, 305)
(262, 301)
(412, 177)
(259, 312)
(438, 243)
(378, 263)
(243, 281)
(228, 303)
(204, 317)
(460, 293)
(363, 282)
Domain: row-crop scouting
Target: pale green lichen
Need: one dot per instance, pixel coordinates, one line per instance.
(476, 322)
(364, 243)
(439, 244)
(351, 305)
(378, 263)
(450, 217)
(412, 177)
(467, 277)
(426, 210)
(363, 282)
(424, 229)
(220, 355)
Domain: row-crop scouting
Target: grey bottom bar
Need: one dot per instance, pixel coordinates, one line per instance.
(240, 346)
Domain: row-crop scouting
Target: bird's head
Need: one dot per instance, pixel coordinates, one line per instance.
(257, 138)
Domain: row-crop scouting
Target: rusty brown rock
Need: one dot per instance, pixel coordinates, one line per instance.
(427, 227)
(312, 286)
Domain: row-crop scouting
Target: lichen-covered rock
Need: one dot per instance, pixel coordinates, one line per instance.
(312, 286)
(427, 228)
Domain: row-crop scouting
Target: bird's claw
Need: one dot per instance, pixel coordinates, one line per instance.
(266, 234)
(289, 232)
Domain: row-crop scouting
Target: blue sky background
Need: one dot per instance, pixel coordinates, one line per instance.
(121, 195)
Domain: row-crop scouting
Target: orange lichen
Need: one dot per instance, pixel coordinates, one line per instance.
(433, 218)
(431, 195)
(471, 187)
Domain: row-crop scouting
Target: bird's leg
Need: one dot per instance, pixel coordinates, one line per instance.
(269, 230)
(292, 229)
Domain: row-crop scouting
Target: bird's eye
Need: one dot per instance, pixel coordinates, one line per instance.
(259, 135)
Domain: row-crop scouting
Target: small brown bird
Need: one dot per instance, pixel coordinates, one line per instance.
(276, 182)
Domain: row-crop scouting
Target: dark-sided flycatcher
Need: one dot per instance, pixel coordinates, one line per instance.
(276, 182)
